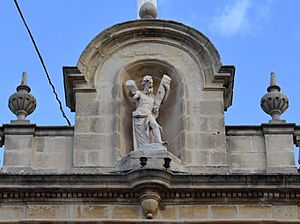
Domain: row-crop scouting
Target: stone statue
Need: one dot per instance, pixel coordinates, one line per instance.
(145, 126)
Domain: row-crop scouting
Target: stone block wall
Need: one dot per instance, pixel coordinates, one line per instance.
(193, 126)
(268, 148)
(32, 148)
(88, 211)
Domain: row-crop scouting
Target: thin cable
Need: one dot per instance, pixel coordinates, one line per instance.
(43, 64)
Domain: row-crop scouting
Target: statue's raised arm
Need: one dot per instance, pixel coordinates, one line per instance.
(131, 87)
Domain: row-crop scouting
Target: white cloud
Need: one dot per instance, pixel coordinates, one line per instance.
(233, 19)
(242, 16)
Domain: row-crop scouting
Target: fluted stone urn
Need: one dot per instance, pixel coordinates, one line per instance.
(22, 103)
(274, 102)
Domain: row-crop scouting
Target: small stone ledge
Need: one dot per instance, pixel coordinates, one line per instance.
(278, 128)
(265, 128)
(19, 129)
(54, 131)
(32, 129)
(243, 130)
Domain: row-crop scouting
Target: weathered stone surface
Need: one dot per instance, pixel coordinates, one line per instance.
(86, 104)
(52, 161)
(246, 144)
(18, 142)
(101, 158)
(255, 211)
(46, 212)
(279, 150)
(92, 141)
(285, 212)
(224, 212)
(18, 159)
(168, 212)
(248, 162)
(198, 124)
(89, 211)
(193, 212)
(126, 212)
(12, 212)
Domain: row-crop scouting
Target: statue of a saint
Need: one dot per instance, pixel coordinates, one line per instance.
(145, 126)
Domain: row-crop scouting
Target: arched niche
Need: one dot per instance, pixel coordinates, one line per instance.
(171, 114)
(200, 82)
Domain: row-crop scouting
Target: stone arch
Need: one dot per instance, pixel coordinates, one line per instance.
(168, 45)
(168, 32)
(171, 116)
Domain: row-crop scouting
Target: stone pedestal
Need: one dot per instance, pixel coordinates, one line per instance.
(155, 154)
(279, 148)
(18, 146)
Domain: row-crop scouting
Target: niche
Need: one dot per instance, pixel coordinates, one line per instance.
(171, 114)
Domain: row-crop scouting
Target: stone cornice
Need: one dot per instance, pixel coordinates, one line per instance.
(32, 129)
(266, 128)
(281, 128)
(297, 136)
(1, 136)
(241, 130)
(171, 186)
(74, 81)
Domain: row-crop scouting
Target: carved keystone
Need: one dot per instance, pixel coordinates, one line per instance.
(148, 183)
(150, 201)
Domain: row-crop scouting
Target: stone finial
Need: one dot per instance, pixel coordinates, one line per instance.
(22, 103)
(148, 11)
(274, 102)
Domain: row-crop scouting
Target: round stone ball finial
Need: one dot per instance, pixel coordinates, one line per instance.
(274, 102)
(22, 103)
(148, 11)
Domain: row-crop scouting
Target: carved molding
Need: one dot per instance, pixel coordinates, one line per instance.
(193, 42)
(165, 196)
(169, 187)
(74, 80)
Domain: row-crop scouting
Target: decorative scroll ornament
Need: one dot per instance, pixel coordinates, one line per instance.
(22, 103)
(274, 102)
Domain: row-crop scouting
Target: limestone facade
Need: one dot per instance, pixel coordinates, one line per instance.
(90, 173)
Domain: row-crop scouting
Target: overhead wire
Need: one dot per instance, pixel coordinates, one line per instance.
(43, 63)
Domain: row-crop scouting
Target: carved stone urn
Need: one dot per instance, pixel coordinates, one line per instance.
(22, 103)
(274, 102)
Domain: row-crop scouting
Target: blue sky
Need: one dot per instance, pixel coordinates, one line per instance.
(257, 36)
